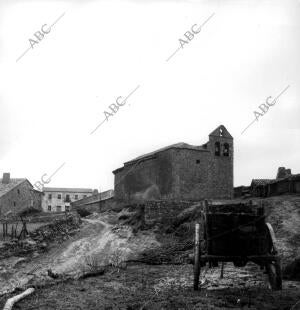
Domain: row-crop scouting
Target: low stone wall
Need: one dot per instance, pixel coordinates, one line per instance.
(164, 210)
(155, 210)
(48, 217)
(39, 217)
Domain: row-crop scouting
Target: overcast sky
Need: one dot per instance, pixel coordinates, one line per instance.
(55, 95)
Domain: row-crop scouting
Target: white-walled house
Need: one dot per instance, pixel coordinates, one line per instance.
(58, 199)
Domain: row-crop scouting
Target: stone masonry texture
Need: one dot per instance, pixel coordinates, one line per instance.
(180, 172)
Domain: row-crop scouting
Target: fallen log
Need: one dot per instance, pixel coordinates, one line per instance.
(11, 301)
(92, 274)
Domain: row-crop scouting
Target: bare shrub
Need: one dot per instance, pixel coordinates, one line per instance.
(117, 259)
(91, 263)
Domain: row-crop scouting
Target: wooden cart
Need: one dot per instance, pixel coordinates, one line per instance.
(236, 233)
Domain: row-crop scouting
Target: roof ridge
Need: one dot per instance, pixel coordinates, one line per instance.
(66, 189)
(181, 145)
(14, 182)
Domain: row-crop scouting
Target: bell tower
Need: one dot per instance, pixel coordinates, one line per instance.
(221, 163)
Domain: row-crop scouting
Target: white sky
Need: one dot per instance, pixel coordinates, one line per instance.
(56, 94)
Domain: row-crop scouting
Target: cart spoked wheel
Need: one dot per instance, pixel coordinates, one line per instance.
(197, 267)
(274, 268)
(200, 249)
(274, 274)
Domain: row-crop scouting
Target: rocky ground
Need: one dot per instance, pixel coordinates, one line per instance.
(164, 279)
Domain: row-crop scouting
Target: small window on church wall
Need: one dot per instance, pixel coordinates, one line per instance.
(197, 161)
(226, 149)
(217, 149)
(221, 132)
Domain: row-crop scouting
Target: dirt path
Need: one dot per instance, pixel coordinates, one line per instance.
(17, 271)
(98, 241)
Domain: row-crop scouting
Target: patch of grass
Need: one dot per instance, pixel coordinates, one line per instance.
(95, 263)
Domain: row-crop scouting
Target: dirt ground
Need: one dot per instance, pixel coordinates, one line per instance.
(142, 286)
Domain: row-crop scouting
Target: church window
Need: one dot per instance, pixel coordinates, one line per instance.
(226, 149)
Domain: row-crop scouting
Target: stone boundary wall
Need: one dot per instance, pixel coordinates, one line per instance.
(49, 217)
(164, 210)
(39, 218)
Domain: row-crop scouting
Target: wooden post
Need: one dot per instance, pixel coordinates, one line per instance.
(24, 226)
(197, 257)
(21, 232)
(16, 228)
(222, 270)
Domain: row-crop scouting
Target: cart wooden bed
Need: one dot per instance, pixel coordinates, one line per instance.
(236, 233)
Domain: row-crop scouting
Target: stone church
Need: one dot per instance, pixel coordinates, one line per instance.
(180, 171)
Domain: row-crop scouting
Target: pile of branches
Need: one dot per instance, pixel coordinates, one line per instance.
(171, 253)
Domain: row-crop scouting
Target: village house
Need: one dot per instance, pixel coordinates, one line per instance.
(258, 187)
(16, 195)
(285, 182)
(180, 171)
(58, 199)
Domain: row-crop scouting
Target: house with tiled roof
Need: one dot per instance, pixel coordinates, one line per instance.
(258, 186)
(17, 194)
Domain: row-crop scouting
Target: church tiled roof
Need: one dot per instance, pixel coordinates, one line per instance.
(180, 145)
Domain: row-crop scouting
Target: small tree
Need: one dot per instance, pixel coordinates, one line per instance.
(83, 212)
